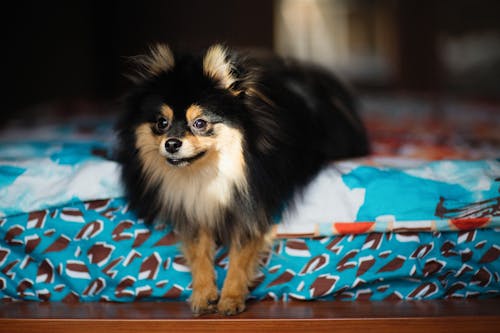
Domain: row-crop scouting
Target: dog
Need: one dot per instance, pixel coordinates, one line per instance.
(215, 143)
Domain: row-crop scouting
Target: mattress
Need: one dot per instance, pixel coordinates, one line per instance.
(418, 219)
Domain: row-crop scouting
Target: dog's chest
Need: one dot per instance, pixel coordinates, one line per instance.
(202, 201)
(204, 196)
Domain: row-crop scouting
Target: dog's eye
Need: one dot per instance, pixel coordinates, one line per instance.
(161, 124)
(200, 124)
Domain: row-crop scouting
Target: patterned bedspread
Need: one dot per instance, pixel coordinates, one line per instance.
(418, 219)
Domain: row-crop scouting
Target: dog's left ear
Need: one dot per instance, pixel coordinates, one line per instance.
(158, 60)
(217, 65)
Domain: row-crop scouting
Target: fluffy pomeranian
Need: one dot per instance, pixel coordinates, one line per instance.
(215, 143)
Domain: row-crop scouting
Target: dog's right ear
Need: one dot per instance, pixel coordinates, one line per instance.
(160, 59)
(217, 66)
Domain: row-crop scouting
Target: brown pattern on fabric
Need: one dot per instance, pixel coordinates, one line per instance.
(131, 257)
(161, 284)
(23, 286)
(385, 254)
(109, 213)
(149, 267)
(323, 285)
(393, 265)
(424, 290)
(72, 297)
(77, 269)
(332, 246)
(373, 241)
(482, 277)
(58, 245)
(140, 237)
(344, 263)
(7, 270)
(4, 254)
(464, 270)
(447, 249)
(480, 245)
(37, 219)
(222, 260)
(364, 295)
(167, 240)
(90, 230)
(143, 292)
(394, 296)
(119, 233)
(44, 295)
(283, 278)
(422, 251)
(174, 292)
(100, 253)
(274, 269)
(491, 255)
(365, 263)
(383, 288)
(95, 287)
(31, 243)
(315, 264)
(72, 215)
(45, 272)
(466, 236)
(466, 255)
(433, 266)
(49, 232)
(97, 205)
(12, 233)
(121, 289)
(450, 292)
(110, 270)
(297, 247)
(179, 264)
(120, 259)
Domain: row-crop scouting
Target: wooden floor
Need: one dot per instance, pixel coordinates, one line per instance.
(410, 316)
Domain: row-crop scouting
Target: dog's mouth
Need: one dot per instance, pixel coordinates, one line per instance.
(180, 162)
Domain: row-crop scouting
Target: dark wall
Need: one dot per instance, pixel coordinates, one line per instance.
(64, 50)
(76, 49)
(423, 24)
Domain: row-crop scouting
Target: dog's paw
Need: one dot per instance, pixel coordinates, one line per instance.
(231, 305)
(204, 302)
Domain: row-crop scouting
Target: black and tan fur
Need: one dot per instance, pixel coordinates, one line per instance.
(215, 144)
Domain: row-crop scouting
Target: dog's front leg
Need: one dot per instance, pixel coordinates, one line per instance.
(243, 265)
(199, 253)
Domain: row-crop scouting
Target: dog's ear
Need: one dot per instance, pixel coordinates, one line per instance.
(217, 66)
(158, 60)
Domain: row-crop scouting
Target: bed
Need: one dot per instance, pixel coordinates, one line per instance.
(416, 221)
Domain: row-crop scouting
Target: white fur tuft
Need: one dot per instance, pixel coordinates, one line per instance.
(217, 66)
(159, 60)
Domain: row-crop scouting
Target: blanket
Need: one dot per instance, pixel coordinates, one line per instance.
(418, 219)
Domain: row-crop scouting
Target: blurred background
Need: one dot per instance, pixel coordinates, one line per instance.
(76, 50)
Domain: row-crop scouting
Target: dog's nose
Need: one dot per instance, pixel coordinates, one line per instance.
(173, 145)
